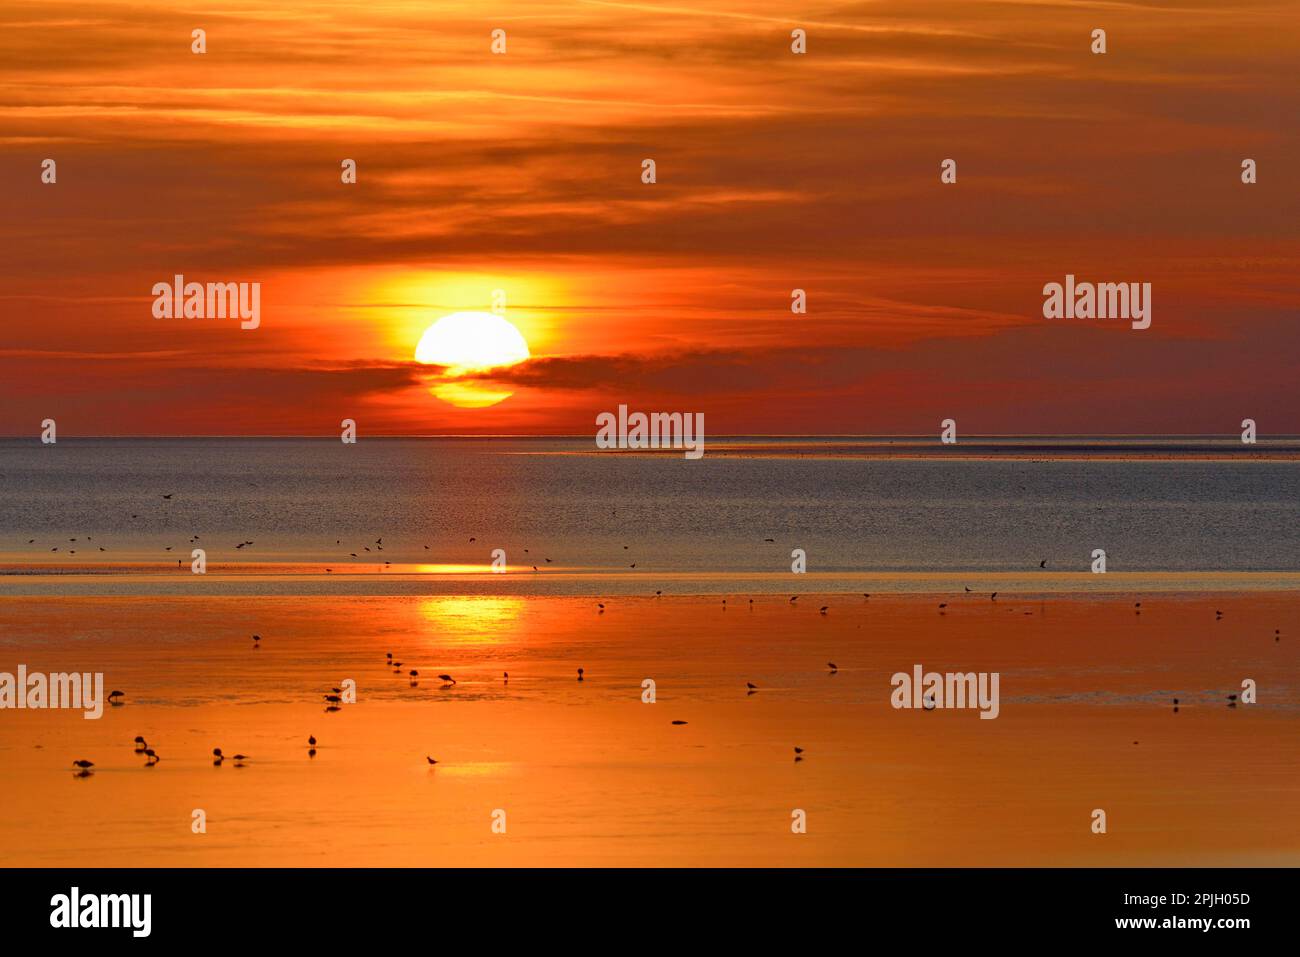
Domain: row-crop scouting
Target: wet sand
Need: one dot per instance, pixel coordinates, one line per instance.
(589, 775)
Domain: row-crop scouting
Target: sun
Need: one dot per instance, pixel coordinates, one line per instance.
(470, 342)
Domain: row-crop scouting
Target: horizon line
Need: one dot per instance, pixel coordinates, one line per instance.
(720, 435)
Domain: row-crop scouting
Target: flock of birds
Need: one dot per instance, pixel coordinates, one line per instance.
(378, 547)
(334, 698)
(151, 757)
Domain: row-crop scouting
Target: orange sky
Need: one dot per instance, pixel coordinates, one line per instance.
(522, 172)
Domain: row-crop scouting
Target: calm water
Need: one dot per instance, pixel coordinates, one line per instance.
(860, 508)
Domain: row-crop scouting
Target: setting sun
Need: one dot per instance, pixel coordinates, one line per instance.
(467, 342)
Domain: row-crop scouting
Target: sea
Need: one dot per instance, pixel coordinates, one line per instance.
(751, 509)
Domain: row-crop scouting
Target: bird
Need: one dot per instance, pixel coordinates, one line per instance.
(140, 744)
(968, 588)
(83, 764)
(151, 755)
(1043, 563)
(430, 760)
(238, 758)
(993, 597)
(169, 496)
(505, 675)
(113, 696)
(311, 740)
(579, 674)
(794, 599)
(601, 606)
(679, 722)
(448, 679)
(833, 666)
(825, 608)
(256, 639)
(943, 604)
(798, 750)
(751, 686)
(216, 753)
(332, 698)
(769, 539)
